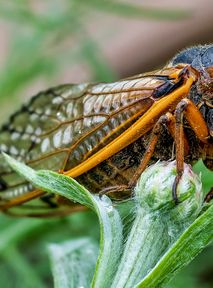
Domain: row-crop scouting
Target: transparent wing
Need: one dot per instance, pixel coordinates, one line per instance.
(63, 126)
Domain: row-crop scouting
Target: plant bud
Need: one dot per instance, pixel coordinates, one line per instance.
(154, 190)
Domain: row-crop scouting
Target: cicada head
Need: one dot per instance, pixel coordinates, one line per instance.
(201, 59)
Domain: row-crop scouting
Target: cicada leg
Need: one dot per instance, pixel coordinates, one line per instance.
(179, 145)
(169, 120)
(148, 154)
(116, 189)
(195, 119)
(175, 125)
(186, 108)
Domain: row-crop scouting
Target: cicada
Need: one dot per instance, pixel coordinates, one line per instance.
(105, 134)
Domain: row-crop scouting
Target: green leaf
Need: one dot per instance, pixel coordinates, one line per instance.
(206, 175)
(16, 231)
(73, 262)
(190, 243)
(109, 219)
(30, 277)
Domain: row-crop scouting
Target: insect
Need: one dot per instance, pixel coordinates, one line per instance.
(105, 134)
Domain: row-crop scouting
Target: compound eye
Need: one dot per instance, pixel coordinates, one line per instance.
(187, 56)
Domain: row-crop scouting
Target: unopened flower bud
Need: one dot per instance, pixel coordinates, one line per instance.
(154, 190)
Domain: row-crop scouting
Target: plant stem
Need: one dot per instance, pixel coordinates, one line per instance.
(147, 241)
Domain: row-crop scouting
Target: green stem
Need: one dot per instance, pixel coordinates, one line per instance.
(151, 235)
(191, 242)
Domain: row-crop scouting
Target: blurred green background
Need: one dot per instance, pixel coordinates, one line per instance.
(45, 43)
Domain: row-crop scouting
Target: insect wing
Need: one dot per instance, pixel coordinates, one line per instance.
(63, 126)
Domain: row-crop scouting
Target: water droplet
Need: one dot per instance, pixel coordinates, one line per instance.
(107, 203)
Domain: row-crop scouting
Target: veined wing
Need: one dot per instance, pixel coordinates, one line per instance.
(63, 126)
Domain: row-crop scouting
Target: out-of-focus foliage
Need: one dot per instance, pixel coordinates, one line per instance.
(45, 38)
